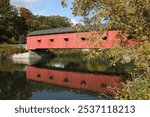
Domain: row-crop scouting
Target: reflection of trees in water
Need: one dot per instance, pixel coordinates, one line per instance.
(12, 85)
(40, 86)
(84, 65)
(75, 64)
(9, 66)
(15, 86)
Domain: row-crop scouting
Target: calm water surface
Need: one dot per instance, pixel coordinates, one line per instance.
(58, 79)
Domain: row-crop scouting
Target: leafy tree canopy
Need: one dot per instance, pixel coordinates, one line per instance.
(132, 17)
(48, 22)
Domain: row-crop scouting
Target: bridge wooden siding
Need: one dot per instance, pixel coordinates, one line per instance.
(66, 38)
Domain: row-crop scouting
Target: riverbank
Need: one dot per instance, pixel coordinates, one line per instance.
(7, 50)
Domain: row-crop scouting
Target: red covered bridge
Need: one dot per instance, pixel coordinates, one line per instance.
(67, 38)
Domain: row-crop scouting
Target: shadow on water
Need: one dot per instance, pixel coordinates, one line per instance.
(58, 78)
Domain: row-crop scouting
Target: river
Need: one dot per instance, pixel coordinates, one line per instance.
(58, 79)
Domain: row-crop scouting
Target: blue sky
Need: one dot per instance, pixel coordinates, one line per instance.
(47, 7)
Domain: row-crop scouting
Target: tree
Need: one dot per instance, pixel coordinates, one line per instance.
(48, 22)
(6, 25)
(26, 13)
(26, 16)
(132, 17)
(11, 23)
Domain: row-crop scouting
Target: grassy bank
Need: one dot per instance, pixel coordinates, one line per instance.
(7, 50)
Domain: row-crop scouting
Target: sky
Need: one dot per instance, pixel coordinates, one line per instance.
(47, 8)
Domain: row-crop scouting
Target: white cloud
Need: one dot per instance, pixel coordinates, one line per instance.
(23, 2)
(29, 0)
(74, 21)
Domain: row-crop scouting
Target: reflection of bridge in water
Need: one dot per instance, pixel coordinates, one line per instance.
(87, 81)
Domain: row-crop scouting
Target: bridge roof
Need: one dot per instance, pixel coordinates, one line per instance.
(53, 31)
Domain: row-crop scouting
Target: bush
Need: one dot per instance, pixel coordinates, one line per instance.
(6, 50)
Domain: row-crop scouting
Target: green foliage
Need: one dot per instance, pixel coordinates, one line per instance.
(11, 23)
(67, 52)
(6, 50)
(6, 15)
(132, 17)
(137, 90)
(139, 86)
(48, 22)
(129, 16)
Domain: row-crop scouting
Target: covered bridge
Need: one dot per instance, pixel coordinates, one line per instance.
(66, 38)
